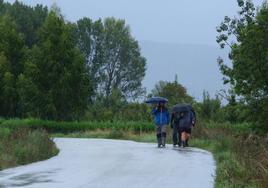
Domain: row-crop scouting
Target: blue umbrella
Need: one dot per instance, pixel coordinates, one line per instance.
(156, 100)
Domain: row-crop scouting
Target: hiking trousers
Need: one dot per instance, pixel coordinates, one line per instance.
(161, 134)
(176, 134)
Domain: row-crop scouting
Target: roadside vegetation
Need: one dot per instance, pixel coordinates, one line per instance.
(68, 79)
(23, 146)
(240, 152)
(241, 155)
(65, 127)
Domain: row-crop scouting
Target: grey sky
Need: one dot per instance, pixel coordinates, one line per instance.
(177, 21)
(180, 22)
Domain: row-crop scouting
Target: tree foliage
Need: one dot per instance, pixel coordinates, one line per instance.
(28, 19)
(90, 42)
(54, 69)
(11, 57)
(173, 91)
(57, 72)
(124, 67)
(113, 58)
(210, 108)
(248, 40)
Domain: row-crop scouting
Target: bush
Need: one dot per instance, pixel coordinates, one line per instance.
(22, 146)
(116, 133)
(4, 133)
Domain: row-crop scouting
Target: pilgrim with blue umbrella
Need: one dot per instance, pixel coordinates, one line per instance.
(161, 119)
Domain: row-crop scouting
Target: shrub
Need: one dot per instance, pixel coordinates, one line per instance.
(22, 146)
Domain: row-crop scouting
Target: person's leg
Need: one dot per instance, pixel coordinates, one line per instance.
(175, 135)
(164, 134)
(183, 138)
(179, 132)
(158, 135)
(187, 143)
(188, 137)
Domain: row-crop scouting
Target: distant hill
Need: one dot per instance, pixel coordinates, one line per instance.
(196, 66)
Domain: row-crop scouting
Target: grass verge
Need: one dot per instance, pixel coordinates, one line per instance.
(240, 155)
(23, 146)
(69, 127)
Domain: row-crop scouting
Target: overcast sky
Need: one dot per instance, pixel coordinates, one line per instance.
(176, 21)
(190, 22)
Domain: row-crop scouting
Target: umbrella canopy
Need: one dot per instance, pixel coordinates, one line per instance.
(182, 108)
(156, 100)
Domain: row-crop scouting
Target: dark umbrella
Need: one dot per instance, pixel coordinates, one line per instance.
(182, 108)
(156, 100)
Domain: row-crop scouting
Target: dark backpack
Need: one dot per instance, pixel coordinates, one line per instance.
(186, 120)
(176, 117)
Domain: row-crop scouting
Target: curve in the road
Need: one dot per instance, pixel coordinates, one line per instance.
(99, 163)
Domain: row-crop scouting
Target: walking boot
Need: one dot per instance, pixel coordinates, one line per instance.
(159, 141)
(164, 136)
(184, 144)
(179, 143)
(175, 139)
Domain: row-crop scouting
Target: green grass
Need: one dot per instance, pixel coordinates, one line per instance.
(237, 163)
(63, 127)
(240, 154)
(229, 171)
(23, 146)
(240, 128)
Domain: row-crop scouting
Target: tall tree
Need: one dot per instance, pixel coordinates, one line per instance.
(56, 72)
(113, 58)
(124, 67)
(28, 19)
(11, 65)
(248, 73)
(11, 44)
(90, 43)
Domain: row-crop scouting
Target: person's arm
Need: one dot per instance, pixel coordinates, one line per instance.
(193, 118)
(154, 110)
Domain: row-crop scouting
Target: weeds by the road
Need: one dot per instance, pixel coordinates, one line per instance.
(22, 146)
(67, 127)
(241, 156)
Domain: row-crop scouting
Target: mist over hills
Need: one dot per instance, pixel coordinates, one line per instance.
(195, 64)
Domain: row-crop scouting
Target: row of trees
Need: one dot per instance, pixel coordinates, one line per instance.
(54, 69)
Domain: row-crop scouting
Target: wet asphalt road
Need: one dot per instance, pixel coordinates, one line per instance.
(99, 163)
